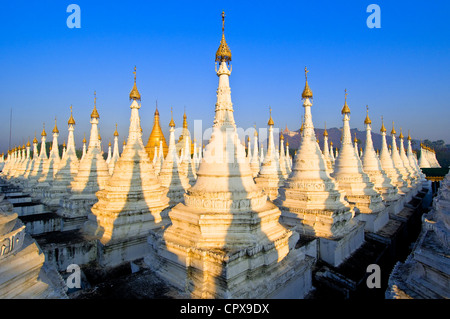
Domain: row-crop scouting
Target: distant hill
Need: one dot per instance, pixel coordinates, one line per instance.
(334, 135)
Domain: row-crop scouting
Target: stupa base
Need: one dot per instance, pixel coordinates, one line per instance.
(113, 254)
(248, 272)
(374, 221)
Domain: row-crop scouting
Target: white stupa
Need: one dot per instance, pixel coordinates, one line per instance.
(131, 202)
(255, 162)
(30, 167)
(36, 173)
(388, 165)
(91, 177)
(270, 176)
(311, 202)
(351, 178)
(397, 160)
(67, 170)
(170, 177)
(326, 152)
(372, 167)
(415, 178)
(226, 232)
(115, 154)
(413, 160)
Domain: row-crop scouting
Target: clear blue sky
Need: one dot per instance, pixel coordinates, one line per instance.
(402, 70)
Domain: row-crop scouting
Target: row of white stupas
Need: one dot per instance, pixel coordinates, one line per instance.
(223, 223)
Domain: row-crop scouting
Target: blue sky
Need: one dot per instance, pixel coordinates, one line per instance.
(402, 70)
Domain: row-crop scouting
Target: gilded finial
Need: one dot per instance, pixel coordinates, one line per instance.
(43, 130)
(172, 123)
(55, 129)
(84, 138)
(134, 94)
(71, 119)
(401, 134)
(409, 136)
(115, 132)
(185, 124)
(307, 93)
(325, 133)
(35, 141)
(270, 119)
(355, 140)
(256, 131)
(367, 120)
(345, 109)
(94, 114)
(393, 132)
(64, 144)
(383, 129)
(302, 127)
(223, 53)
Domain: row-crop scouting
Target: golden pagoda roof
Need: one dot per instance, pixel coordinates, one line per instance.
(223, 53)
(155, 136)
(393, 132)
(55, 129)
(345, 108)
(270, 122)
(43, 131)
(71, 119)
(115, 132)
(367, 120)
(94, 113)
(134, 94)
(307, 93)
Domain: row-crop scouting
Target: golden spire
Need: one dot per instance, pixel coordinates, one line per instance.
(185, 125)
(409, 136)
(223, 53)
(171, 123)
(401, 134)
(325, 133)
(84, 138)
(35, 141)
(393, 132)
(155, 136)
(109, 143)
(28, 143)
(55, 129)
(307, 93)
(367, 120)
(355, 140)
(94, 114)
(43, 131)
(115, 132)
(270, 119)
(71, 120)
(124, 142)
(281, 136)
(383, 129)
(256, 131)
(345, 109)
(134, 94)
(331, 143)
(64, 144)
(99, 137)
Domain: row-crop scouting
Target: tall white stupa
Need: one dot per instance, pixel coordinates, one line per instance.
(225, 240)
(67, 170)
(351, 178)
(311, 202)
(372, 167)
(132, 201)
(91, 177)
(270, 176)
